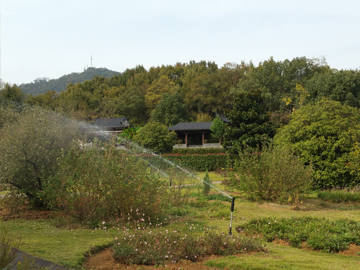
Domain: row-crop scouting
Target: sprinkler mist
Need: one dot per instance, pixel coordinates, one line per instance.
(177, 176)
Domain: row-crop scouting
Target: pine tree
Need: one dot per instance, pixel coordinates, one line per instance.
(206, 183)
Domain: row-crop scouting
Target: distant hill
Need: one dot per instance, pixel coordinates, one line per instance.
(42, 85)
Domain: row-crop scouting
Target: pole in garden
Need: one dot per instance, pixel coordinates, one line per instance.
(232, 211)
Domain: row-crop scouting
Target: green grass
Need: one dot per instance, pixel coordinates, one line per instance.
(67, 246)
(339, 196)
(283, 257)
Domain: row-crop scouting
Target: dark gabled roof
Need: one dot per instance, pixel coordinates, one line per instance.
(121, 122)
(191, 126)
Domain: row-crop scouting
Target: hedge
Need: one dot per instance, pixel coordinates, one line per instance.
(199, 151)
(203, 162)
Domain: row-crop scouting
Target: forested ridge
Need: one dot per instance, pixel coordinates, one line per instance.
(42, 85)
(198, 90)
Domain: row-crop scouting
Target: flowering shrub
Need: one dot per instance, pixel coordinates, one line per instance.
(94, 186)
(190, 242)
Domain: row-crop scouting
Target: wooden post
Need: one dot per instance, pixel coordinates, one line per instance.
(203, 138)
(186, 139)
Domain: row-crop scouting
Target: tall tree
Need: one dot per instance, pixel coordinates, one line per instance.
(249, 122)
(170, 110)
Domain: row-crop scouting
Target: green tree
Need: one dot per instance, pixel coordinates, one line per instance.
(343, 86)
(278, 79)
(156, 137)
(154, 93)
(206, 183)
(12, 93)
(324, 134)
(30, 147)
(217, 128)
(249, 122)
(170, 110)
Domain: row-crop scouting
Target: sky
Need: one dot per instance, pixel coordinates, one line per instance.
(51, 38)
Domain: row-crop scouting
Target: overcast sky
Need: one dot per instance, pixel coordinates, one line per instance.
(51, 38)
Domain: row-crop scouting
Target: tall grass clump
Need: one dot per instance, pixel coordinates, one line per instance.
(8, 248)
(274, 174)
(95, 186)
(339, 196)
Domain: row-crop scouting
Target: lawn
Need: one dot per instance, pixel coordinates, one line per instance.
(63, 242)
(66, 245)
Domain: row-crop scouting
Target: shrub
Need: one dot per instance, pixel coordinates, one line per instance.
(319, 234)
(8, 248)
(206, 183)
(156, 137)
(203, 162)
(324, 134)
(95, 186)
(30, 147)
(199, 151)
(151, 248)
(274, 174)
(339, 196)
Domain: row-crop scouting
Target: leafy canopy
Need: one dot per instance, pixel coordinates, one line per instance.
(155, 136)
(324, 134)
(170, 110)
(30, 147)
(249, 122)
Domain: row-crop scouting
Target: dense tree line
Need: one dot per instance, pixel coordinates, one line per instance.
(197, 90)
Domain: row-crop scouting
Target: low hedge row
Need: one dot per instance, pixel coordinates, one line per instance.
(200, 151)
(203, 162)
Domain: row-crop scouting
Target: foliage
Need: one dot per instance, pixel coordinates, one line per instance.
(149, 247)
(30, 147)
(199, 151)
(203, 162)
(339, 196)
(278, 79)
(170, 110)
(12, 93)
(343, 86)
(8, 114)
(324, 134)
(203, 117)
(157, 89)
(95, 186)
(42, 85)
(156, 137)
(8, 248)
(249, 122)
(274, 174)
(217, 128)
(319, 234)
(206, 183)
(130, 132)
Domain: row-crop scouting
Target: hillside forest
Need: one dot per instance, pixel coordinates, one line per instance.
(201, 88)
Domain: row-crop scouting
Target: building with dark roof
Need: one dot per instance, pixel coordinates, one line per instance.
(194, 134)
(115, 125)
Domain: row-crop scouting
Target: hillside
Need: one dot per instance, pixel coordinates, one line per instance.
(42, 85)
